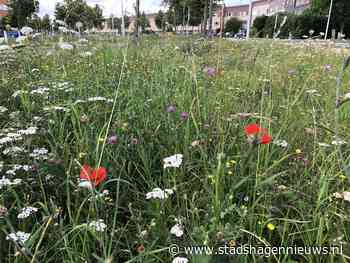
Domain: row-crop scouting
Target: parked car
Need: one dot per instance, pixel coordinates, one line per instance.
(241, 34)
(13, 34)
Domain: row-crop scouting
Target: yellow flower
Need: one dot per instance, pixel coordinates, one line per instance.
(342, 177)
(298, 151)
(230, 163)
(125, 125)
(230, 172)
(81, 155)
(271, 226)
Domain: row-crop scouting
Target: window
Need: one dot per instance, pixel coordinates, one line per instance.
(3, 7)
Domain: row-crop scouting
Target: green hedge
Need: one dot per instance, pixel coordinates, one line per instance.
(297, 25)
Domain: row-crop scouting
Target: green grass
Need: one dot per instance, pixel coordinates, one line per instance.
(215, 200)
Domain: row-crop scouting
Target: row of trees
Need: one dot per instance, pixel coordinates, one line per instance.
(186, 13)
(180, 12)
(24, 12)
(74, 11)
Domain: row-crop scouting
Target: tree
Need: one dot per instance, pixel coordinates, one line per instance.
(340, 16)
(45, 23)
(97, 16)
(60, 12)
(233, 25)
(189, 12)
(116, 22)
(73, 11)
(137, 25)
(35, 22)
(160, 20)
(211, 3)
(259, 24)
(143, 22)
(21, 11)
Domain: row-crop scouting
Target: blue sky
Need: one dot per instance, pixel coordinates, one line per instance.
(114, 6)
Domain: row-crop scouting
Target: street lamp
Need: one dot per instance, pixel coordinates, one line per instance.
(249, 18)
(329, 19)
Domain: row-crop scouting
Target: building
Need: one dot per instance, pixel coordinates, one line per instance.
(3, 8)
(259, 8)
(151, 20)
(224, 13)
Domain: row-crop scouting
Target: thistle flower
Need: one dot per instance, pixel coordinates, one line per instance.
(184, 115)
(170, 109)
(112, 139)
(209, 71)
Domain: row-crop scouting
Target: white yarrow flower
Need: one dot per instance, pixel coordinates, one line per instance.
(180, 260)
(281, 143)
(173, 161)
(177, 230)
(158, 193)
(98, 226)
(19, 236)
(338, 142)
(26, 212)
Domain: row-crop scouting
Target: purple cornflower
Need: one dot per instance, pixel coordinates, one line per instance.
(112, 139)
(170, 108)
(210, 71)
(184, 115)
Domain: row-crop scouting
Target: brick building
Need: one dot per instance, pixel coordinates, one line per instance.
(259, 8)
(3, 8)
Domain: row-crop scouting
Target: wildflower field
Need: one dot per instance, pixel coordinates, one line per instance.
(116, 152)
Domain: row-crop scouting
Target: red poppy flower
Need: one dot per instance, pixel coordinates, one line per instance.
(257, 134)
(95, 176)
(265, 139)
(252, 129)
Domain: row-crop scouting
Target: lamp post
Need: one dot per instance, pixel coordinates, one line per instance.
(123, 21)
(329, 19)
(249, 18)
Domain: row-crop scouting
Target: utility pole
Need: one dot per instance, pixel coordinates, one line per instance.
(123, 21)
(329, 19)
(222, 20)
(249, 18)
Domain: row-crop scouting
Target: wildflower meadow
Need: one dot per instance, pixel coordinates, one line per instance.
(113, 151)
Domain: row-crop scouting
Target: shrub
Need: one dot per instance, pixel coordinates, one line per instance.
(297, 25)
(233, 25)
(258, 25)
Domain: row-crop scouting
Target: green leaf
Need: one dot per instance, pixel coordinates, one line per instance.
(346, 63)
